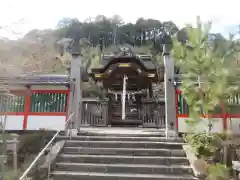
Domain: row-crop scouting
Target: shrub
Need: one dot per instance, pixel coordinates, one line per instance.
(204, 145)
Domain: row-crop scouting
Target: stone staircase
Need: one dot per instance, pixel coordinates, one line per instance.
(121, 157)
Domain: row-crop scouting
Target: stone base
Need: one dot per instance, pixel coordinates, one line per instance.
(171, 133)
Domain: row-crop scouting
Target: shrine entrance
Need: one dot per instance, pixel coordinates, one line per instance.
(129, 82)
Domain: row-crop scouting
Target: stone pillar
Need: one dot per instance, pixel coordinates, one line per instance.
(170, 104)
(77, 88)
(15, 152)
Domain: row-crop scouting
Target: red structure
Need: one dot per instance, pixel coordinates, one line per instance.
(221, 120)
(37, 103)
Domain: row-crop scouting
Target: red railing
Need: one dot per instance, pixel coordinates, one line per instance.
(39, 103)
(223, 114)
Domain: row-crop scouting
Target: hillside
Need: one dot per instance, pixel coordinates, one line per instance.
(37, 51)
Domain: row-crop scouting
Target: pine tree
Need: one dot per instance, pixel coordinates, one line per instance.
(206, 75)
(208, 79)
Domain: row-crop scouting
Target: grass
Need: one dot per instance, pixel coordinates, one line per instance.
(10, 174)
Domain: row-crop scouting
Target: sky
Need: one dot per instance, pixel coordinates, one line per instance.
(17, 17)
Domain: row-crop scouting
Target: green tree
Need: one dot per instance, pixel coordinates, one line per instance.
(205, 82)
(205, 78)
(114, 30)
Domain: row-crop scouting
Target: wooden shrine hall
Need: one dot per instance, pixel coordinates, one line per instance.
(128, 80)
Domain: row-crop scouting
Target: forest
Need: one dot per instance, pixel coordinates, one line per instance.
(114, 31)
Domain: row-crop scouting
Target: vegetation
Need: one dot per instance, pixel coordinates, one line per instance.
(29, 146)
(114, 30)
(39, 51)
(204, 145)
(206, 83)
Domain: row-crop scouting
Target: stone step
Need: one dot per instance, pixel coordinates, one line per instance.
(124, 144)
(119, 138)
(124, 168)
(124, 151)
(115, 159)
(63, 175)
(160, 133)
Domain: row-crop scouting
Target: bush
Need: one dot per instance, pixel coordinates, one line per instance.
(32, 143)
(204, 145)
(218, 172)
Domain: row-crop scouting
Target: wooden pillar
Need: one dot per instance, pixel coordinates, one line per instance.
(150, 90)
(152, 105)
(109, 122)
(140, 109)
(105, 111)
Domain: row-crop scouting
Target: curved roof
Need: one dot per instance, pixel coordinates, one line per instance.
(144, 61)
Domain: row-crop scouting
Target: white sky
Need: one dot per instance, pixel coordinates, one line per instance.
(21, 16)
